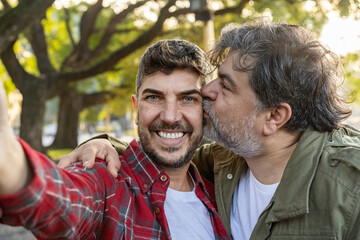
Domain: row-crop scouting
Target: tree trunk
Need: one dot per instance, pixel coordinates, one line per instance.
(68, 118)
(32, 117)
(71, 104)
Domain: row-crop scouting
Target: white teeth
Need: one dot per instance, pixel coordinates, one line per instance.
(171, 135)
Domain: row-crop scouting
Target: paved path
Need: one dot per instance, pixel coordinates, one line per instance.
(15, 233)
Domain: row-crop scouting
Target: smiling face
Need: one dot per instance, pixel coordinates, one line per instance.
(169, 116)
(231, 115)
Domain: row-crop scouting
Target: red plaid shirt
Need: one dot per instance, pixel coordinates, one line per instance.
(79, 203)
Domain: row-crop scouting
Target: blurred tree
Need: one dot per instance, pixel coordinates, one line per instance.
(86, 41)
(14, 20)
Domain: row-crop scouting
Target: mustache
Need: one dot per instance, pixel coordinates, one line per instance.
(177, 126)
(206, 104)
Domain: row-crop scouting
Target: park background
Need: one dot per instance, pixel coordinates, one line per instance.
(69, 66)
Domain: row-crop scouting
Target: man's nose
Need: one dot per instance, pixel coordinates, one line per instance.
(171, 113)
(210, 91)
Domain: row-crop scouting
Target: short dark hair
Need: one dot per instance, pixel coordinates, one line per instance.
(288, 65)
(170, 54)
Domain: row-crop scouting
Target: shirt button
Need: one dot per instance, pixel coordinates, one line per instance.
(229, 176)
(157, 210)
(163, 178)
(145, 185)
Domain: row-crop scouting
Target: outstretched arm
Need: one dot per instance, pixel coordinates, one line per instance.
(15, 170)
(51, 202)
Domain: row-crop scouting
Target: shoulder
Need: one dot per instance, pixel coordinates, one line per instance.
(223, 156)
(340, 159)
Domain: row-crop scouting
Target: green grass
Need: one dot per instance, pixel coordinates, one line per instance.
(55, 155)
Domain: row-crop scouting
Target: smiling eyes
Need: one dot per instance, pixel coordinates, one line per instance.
(189, 99)
(185, 99)
(152, 98)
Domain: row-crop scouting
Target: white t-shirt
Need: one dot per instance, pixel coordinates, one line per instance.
(250, 198)
(187, 216)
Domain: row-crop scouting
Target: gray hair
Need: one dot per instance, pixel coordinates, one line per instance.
(288, 65)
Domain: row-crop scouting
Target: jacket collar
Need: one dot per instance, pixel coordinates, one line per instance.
(292, 195)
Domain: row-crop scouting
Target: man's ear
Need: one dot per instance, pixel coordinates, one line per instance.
(134, 101)
(276, 117)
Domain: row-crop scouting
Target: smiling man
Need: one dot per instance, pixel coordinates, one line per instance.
(158, 193)
(169, 116)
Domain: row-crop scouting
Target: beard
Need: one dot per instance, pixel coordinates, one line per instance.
(238, 135)
(152, 153)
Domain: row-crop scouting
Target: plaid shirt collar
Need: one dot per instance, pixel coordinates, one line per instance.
(147, 171)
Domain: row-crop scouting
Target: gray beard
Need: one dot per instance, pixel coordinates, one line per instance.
(236, 135)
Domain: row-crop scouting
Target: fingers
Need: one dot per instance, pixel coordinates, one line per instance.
(88, 152)
(113, 163)
(82, 154)
(88, 155)
(67, 160)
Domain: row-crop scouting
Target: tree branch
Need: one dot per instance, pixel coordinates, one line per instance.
(88, 21)
(86, 29)
(68, 29)
(14, 69)
(145, 38)
(239, 8)
(142, 40)
(6, 5)
(39, 46)
(111, 29)
(127, 30)
(111, 61)
(89, 100)
(17, 19)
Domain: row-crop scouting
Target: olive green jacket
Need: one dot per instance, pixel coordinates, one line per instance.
(318, 196)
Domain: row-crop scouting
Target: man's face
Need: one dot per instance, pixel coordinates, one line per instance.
(169, 116)
(230, 112)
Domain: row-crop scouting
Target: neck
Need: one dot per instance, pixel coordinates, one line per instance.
(180, 179)
(269, 167)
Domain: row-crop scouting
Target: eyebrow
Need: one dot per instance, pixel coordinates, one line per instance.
(190, 92)
(183, 93)
(150, 90)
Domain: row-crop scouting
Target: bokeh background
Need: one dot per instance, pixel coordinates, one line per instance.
(69, 66)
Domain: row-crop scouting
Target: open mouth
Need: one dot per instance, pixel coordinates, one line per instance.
(170, 135)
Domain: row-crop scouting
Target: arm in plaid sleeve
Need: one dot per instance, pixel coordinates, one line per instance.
(59, 203)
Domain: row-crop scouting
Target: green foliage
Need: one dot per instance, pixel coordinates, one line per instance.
(352, 70)
(91, 114)
(6, 80)
(26, 57)
(311, 14)
(57, 37)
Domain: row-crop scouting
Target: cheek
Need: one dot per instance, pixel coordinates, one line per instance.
(146, 114)
(195, 117)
